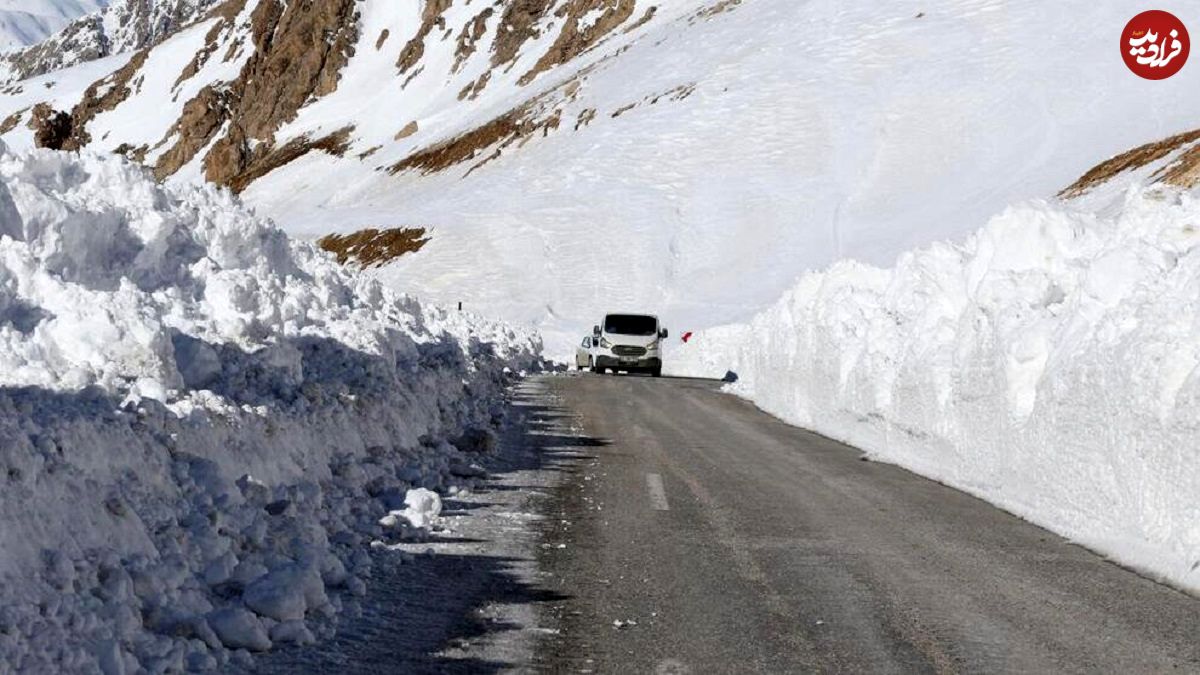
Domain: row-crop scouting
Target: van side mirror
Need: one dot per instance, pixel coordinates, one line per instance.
(596, 331)
(663, 333)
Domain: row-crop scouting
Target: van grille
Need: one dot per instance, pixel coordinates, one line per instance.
(629, 350)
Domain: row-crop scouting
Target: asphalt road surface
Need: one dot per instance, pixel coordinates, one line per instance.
(698, 534)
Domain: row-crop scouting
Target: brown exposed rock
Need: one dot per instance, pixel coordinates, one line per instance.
(715, 9)
(408, 130)
(1183, 172)
(1133, 159)
(469, 37)
(226, 13)
(675, 93)
(515, 126)
(383, 37)
(137, 154)
(300, 49)
(585, 118)
(431, 16)
(465, 146)
(623, 109)
(650, 12)
(473, 89)
(202, 118)
(266, 158)
(78, 39)
(119, 28)
(51, 128)
(572, 40)
(12, 121)
(374, 248)
(517, 26)
(101, 96)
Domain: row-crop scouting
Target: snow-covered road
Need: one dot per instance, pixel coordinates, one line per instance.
(703, 535)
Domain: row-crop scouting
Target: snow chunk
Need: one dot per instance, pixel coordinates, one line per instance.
(423, 507)
(286, 593)
(239, 629)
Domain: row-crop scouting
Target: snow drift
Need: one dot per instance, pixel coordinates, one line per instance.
(202, 422)
(1048, 365)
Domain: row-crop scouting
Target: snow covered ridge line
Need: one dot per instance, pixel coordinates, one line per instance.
(202, 423)
(1047, 365)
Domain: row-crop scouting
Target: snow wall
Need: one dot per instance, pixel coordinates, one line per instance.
(203, 422)
(1047, 365)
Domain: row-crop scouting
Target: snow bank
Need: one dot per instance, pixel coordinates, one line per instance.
(201, 422)
(1048, 365)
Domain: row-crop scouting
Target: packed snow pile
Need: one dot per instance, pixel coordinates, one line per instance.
(202, 422)
(1048, 365)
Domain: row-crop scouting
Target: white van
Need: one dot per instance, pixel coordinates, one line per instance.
(629, 343)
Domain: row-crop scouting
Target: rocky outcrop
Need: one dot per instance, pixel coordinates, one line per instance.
(518, 25)
(1182, 172)
(123, 26)
(264, 158)
(225, 16)
(300, 48)
(469, 37)
(63, 131)
(81, 41)
(414, 49)
(51, 128)
(292, 53)
(203, 118)
(103, 95)
(575, 38)
(513, 127)
(374, 248)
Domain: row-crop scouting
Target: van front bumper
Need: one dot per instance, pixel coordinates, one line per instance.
(633, 363)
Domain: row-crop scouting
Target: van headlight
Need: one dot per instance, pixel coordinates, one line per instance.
(605, 344)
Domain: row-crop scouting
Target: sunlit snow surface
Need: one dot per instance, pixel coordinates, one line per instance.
(815, 131)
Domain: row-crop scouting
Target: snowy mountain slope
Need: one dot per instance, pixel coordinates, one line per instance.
(121, 26)
(26, 22)
(573, 156)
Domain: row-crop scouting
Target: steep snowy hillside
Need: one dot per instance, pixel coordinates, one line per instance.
(25, 22)
(122, 26)
(571, 156)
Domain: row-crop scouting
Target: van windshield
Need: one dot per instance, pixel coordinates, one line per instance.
(630, 324)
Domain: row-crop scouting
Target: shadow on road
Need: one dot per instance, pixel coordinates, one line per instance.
(423, 615)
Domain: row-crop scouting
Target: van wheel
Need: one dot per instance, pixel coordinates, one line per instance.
(657, 372)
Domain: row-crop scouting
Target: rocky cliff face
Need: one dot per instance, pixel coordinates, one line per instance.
(125, 25)
(261, 63)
